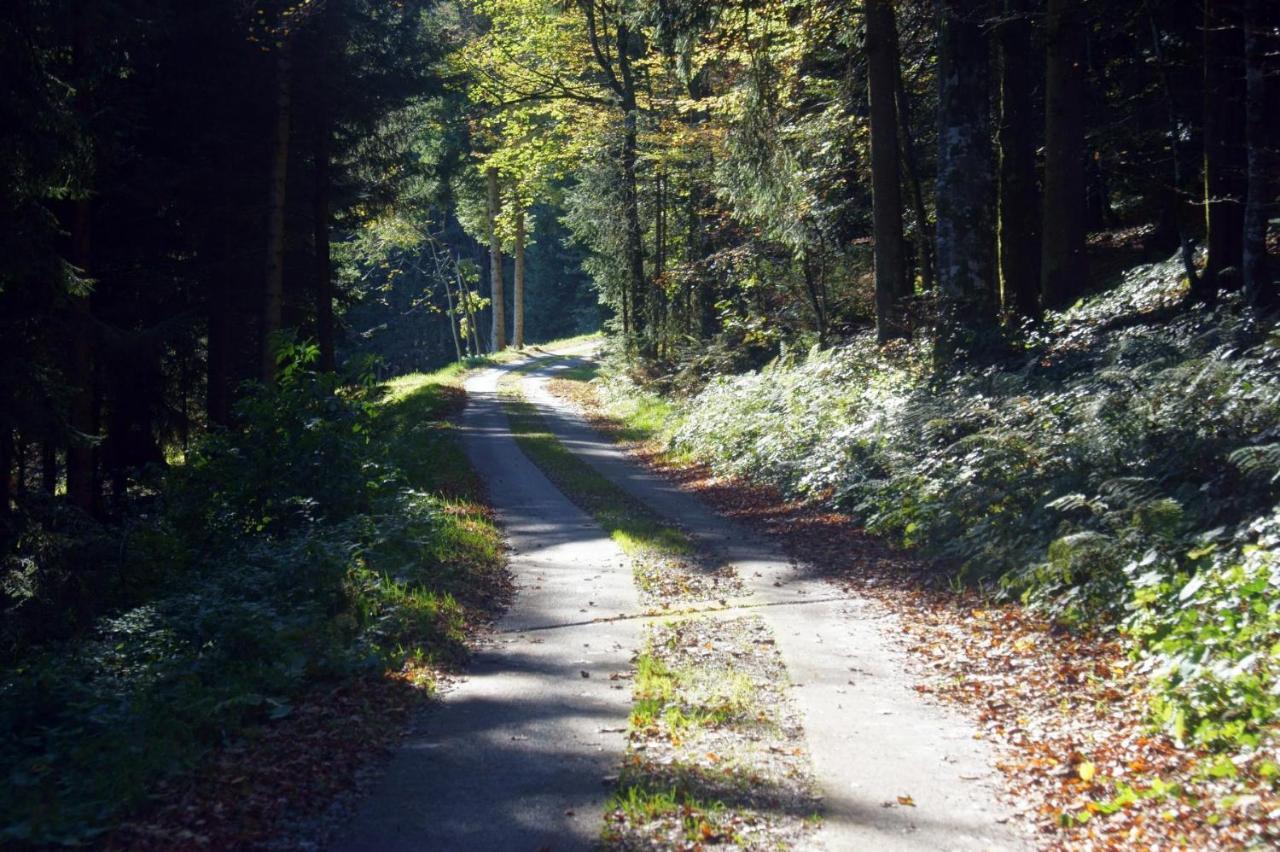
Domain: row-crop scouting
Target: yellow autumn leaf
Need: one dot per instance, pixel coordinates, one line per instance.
(1086, 771)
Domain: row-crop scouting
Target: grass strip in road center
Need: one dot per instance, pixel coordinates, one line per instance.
(637, 530)
(715, 750)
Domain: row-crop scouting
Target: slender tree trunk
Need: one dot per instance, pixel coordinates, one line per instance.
(1185, 244)
(273, 291)
(966, 181)
(324, 265)
(1063, 264)
(517, 321)
(499, 337)
(81, 473)
(20, 475)
(892, 287)
(1223, 143)
(6, 469)
(1018, 210)
(923, 237)
(634, 259)
(453, 315)
(1255, 269)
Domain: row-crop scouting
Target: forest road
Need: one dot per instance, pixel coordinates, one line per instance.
(518, 756)
(894, 771)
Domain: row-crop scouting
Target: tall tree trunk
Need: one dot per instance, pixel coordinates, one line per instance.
(923, 237)
(499, 337)
(1255, 268)
(453, 314)
(517, 308)
(273, 291)
(892, 286)
(1063, 264)
(1224, 129)
(966, 181)
(630, 188)
(81, 473)
(635, 302)
(324, 265)
(6, 468)
(1018, 210)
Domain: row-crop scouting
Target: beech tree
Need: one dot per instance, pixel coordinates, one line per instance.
(966, 179)
(1018, 209)
(892, 286)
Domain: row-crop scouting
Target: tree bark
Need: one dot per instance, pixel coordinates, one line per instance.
(81, 473)
(966, 181)
(517, 308)
(1255, 267)
(1063, 264)
(1223, 143)
(892, 286)
(324, 265)
(273, 291)
(1018, 230)
(499, 337)
(923, 237)
(6, 469)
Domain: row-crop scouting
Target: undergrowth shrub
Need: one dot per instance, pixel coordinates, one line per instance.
(1108, 444)
(291, 551)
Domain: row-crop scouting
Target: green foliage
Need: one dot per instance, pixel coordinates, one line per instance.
(1093, 479)
(306, 546)
(1211, 637)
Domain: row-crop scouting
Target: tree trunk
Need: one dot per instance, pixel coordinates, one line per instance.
(81, 473)
(499, 337)
(636, 302)
(892, 287)
(1018, 230)
(324, 265)
(639, 304)
(1063, 264)
(517, 308)
(273, 291)
(6, 469)
(453, 314)
(966, 181)
(1255, 271)
(923, 238)
(1223, 144)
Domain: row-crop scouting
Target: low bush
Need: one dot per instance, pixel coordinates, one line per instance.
(307, 545)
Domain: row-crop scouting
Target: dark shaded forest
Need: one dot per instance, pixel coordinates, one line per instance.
(998, 279)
